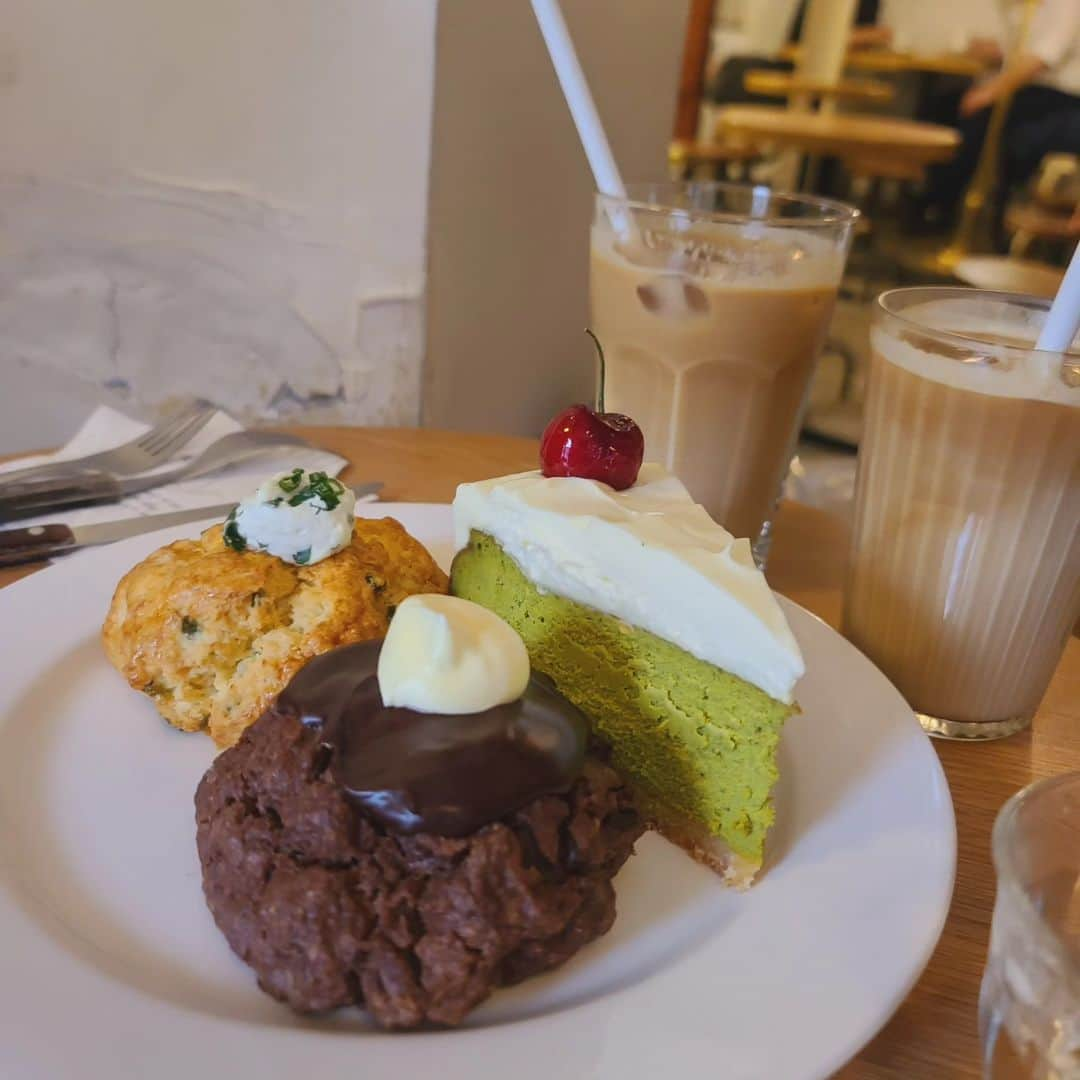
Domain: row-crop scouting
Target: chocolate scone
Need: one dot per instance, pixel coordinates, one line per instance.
(331, 907)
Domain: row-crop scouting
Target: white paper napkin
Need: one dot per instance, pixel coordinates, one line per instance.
(106, 428)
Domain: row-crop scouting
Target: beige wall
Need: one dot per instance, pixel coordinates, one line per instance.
(511, 198)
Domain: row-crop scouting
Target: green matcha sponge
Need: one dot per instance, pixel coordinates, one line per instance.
(697, 744)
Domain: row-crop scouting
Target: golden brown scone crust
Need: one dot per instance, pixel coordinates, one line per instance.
(212, 635)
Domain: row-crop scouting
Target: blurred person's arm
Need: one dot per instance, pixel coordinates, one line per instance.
(986, 50)
(1053, 29)
(1018, 72)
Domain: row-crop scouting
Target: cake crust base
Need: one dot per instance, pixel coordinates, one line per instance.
(737, 872)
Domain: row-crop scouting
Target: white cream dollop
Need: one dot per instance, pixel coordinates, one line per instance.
(650, 556)
(447, 655)
(305, 521)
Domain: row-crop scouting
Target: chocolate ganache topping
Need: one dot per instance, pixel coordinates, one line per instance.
(427, 772)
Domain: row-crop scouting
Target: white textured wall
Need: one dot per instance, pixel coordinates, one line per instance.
(218, 196)
(511, 198)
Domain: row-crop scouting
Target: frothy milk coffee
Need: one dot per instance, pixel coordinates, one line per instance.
(965, 574)
(711, 334)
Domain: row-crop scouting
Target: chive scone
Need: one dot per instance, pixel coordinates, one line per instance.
(212, 629)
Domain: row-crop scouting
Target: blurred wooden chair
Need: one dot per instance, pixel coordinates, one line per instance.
(1028, 224)
(771, 83)
(864, 165)
(891, 62)
(1044, 217)
(725, 160)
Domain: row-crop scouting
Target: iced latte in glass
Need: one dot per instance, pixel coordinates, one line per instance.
(964, 581)
(711, 302)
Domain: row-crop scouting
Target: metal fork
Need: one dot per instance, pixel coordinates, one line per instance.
(27, 498)
(228, 450)
(148, 451)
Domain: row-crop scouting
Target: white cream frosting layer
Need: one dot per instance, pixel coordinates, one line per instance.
(649, 555)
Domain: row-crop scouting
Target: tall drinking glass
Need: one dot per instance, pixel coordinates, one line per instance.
(1029, 1007)
(711, 302)
(964, 580)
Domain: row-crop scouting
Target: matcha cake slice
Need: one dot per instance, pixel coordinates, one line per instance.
(654, 621)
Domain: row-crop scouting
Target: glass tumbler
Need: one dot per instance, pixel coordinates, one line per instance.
(1029, 1007)
(711, 302)
(964, 578)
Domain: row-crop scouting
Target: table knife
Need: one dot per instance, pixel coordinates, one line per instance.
(35, 542)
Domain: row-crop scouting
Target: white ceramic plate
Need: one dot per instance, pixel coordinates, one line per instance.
(112, 967)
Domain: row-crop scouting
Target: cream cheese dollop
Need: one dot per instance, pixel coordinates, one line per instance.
(300, 517)
(648, 555)
(447, 655)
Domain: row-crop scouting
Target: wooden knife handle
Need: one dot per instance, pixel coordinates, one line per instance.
(33, 543)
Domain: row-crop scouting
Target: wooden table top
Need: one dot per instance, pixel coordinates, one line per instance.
(933, 1035)
(841, 134)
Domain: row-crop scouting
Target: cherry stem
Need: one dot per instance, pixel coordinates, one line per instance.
(600, 354)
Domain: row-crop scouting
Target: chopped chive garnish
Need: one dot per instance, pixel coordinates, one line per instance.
(292, 481)
(232, 536)
(322, 487)
(302, 558)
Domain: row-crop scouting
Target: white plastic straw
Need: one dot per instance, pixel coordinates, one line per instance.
(576, 91)
(1063, 318)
